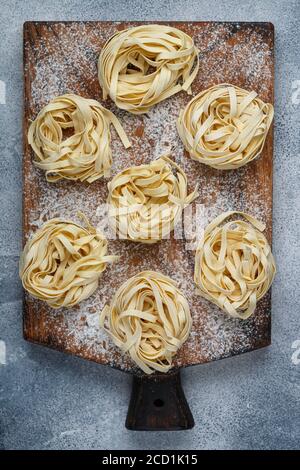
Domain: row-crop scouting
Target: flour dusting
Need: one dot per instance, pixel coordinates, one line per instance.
(65, 61)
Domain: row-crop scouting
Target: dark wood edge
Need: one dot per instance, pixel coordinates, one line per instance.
(267, 24)
(135, 371)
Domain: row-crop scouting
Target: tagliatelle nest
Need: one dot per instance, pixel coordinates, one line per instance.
(84, 153)
(62, 262)
(150, 319)
(146, 201)
(234, 265)
(141, 66)
(225, 126)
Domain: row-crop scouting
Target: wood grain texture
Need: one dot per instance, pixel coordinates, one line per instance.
(62, 57)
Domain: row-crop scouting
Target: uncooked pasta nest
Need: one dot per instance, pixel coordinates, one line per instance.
(234, 265)
(139, 67)
(150, 319)
(71, 139)
(225, 126)
(145, 202)
(63, 261)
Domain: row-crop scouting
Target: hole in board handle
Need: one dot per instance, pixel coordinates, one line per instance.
(158, 403)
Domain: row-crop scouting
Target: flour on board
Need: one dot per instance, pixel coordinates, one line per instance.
(66, 62)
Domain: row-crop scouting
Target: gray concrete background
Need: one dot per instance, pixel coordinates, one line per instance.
(53, 401)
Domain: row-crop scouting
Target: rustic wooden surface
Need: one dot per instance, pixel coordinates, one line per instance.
(62, 57)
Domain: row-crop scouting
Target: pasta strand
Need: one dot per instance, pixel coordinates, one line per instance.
(141, 66)
(150, 319)
(225, 127)
(234, 265)
(63, 261)
(146, 201)
(86, 154)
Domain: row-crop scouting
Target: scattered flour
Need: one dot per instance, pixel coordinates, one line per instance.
(66, 61)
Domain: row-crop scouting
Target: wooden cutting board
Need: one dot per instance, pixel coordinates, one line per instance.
(61, 57)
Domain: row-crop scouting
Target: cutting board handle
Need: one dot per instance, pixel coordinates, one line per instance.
(158, 403)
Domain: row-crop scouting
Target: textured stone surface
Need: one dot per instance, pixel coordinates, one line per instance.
(51, 401)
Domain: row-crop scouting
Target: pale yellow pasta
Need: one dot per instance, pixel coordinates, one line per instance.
(225, 127)
(141, 66)
(71, 139)
(145, 202)
(63, 261)
(150, 319)
(234, 265)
